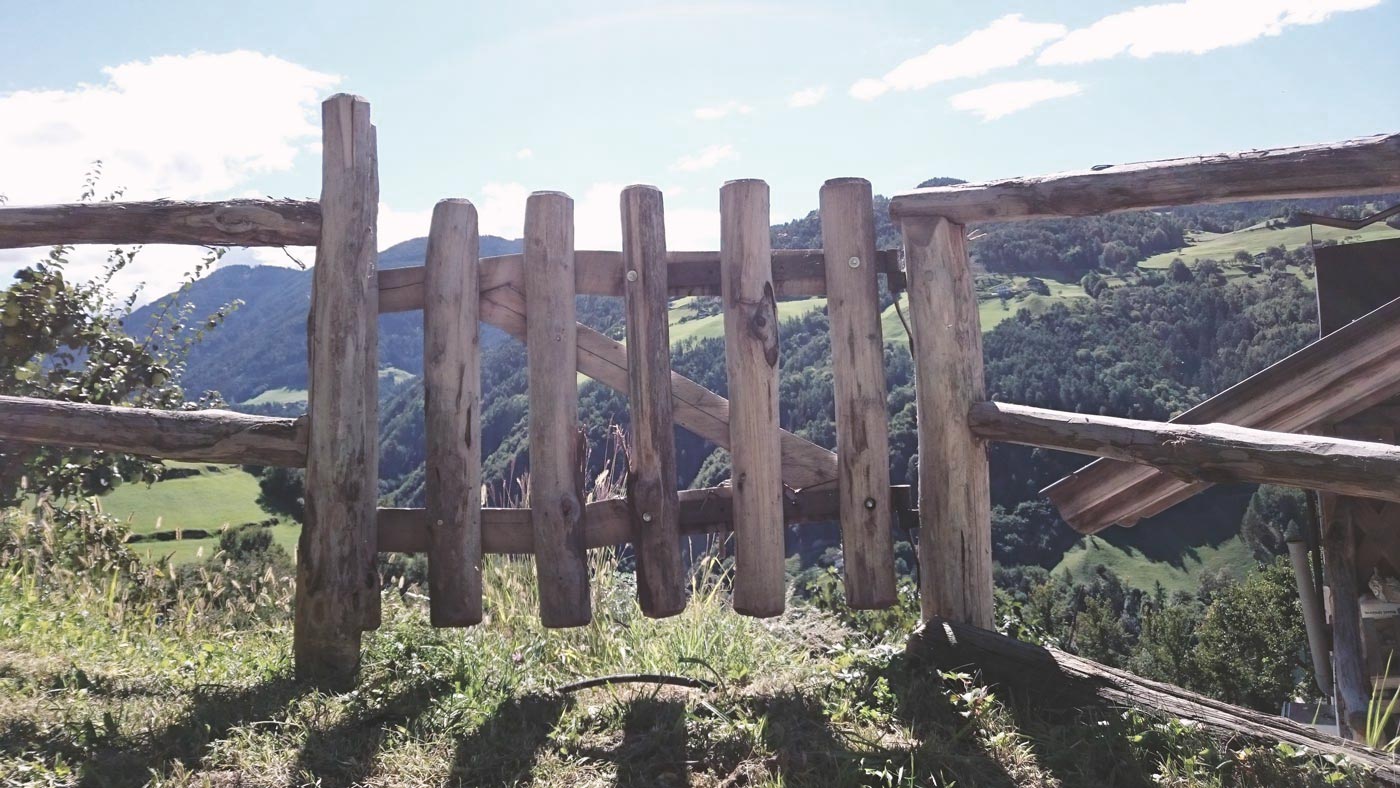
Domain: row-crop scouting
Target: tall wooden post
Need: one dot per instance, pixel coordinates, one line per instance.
(751, 359)
(955, 531)
(651, 460)
(858, 379)
(556, 473)
(337, 593)
(452, 414)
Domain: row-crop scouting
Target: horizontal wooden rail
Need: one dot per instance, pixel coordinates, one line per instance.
(1361, 166)
(226, 223)
(608, 524)
(796, 272)
(1212, 452)
(194, 435)
(1346, 372)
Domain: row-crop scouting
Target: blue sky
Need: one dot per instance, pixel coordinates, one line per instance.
(491, 101)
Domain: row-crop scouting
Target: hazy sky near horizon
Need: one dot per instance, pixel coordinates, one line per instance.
(490, 101)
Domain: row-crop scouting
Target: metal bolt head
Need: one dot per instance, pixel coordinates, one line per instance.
(646, 517)
(854, 262)
(870, 503)
(631, 276)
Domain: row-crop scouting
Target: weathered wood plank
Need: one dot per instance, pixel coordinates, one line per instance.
(1344, 373)
(796, 272)
(1368, 165)
(751, 359)
(1049, 677)
(651, 453)
(224, 223)
(452, 415)
(1339, 571)
(193, 435)
(858, 380)
(695, 407)
(955, 530)
(337, 590)
(555, 497)
(608, 523)
(1218, 453)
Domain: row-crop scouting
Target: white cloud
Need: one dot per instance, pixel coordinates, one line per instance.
(501, 209)
(1005, 42)
(197, 126)
(722, 110)
(1003, 98)
(807, 97)
(525, 153)
(705, 159)
(1193, 26)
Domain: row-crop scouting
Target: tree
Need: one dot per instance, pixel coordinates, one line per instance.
(66, 341)
(1272, 511)
(1178, 271)
(282, 491)
(1251, 643)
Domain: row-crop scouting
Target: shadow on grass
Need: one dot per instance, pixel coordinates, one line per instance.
(343, 754)
(214, 711)
(503, 750)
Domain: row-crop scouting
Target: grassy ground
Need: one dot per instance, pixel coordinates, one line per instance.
(1136, 569)
(218, 495)
(96, 691)
(1223, 246)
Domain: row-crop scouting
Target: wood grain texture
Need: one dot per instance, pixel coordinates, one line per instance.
(751, 360)
(452, 415)
(555, 494)
(608, 523)
(858, 381)
(651, 453)
(1218, 453)
(337, 591)
(192, 435)
(796, 272)
(224, 223)
(695, 407)
(1054, 679)
(1339, 573)
(1344, 373)
(955, 530)
(1368, 165)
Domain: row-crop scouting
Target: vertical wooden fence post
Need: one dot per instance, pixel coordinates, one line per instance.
(337, 590)
(1351, 684)
(556, 495)
(955, 531)
(751, 359)
(858, 373)
(452, 414)
(651, 459)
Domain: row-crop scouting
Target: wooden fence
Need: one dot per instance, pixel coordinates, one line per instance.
(778, 478)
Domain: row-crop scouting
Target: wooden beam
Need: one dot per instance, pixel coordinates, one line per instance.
(858, 381)
(1218, 453)
(555, 489)
(452, 415)
(751, 360)
(955, 517)
(608, 523)
(695, 407)
(651, 452)
(1340, 573)
(192, 435)
(225, 223)
(796, 272)
(1368, 165)
(337, 590)
(1346, 372)
(1050, 678)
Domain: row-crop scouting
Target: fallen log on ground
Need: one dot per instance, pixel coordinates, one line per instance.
(1053, 677)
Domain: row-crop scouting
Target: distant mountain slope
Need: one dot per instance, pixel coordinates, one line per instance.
(262, 346)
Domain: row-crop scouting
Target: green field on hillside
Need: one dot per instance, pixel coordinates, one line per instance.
(217, 496)
(279, 396)
(1136, 569)
(1223, 246)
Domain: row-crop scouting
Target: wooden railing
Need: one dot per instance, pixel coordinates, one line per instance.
(778, 478)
